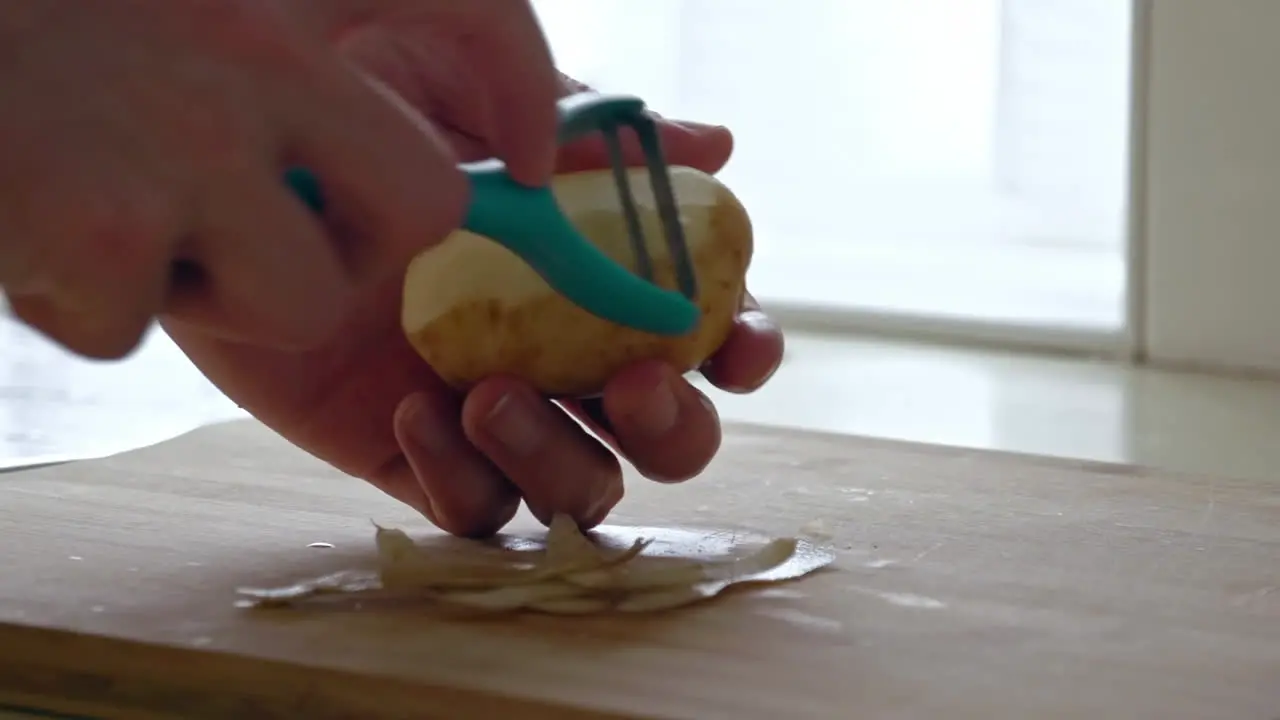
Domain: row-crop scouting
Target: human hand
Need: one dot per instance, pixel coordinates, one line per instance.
(367, 403)
(146, 139)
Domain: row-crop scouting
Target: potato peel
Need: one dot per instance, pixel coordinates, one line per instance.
(513, 597)
(572, 606)
(347, 581)
(566, 573)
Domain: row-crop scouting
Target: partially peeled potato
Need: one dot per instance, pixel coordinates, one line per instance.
(472, 309)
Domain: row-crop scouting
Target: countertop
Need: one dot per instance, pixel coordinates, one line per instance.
(54, 406)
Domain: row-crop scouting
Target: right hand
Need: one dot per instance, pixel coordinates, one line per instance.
(143, 143)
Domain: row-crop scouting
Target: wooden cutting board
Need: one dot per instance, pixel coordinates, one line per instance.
(969, 585)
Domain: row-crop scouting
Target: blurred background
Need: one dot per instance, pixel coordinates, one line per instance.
(964, 159)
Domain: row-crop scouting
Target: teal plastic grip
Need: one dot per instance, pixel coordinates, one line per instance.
(586, 113)
(528, 222)
(306, 187)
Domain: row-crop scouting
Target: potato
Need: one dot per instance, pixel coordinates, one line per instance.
(472, 309)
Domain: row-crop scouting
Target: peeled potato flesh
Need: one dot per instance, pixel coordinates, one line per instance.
(568, 573)
(472, 309)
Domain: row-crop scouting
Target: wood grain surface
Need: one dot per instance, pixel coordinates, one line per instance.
(969, 585)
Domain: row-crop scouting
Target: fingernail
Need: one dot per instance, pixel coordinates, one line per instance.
(514, 424)
(657, 415)
(699, 128)
(758, 321)
(428, 431)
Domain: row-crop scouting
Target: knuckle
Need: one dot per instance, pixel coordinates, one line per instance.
(71, 230)
(18, 269)
(122, 232)
(85, 333)
(257, 34)
(113, 345)
(237, 24)
(220, 140)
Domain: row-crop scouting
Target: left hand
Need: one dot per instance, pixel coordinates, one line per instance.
(369, 405)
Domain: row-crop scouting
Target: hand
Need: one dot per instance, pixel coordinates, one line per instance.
(145, 142)
(366, 403)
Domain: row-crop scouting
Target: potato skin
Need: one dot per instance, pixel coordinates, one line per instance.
(564, 351)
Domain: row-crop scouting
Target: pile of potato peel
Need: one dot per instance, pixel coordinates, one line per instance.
(566, 574)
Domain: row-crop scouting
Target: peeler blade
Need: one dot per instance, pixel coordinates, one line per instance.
(630, 215)
(646, 130)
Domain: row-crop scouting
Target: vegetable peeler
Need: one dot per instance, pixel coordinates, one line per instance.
(528, 222)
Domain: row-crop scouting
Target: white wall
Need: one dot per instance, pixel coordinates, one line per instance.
(1212, 191)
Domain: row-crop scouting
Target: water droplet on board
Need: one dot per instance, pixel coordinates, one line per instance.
(74, 557)
(913, 601)
(817, 529)
(857, 494)
(321, 545)
(780, 593)
(804, 620)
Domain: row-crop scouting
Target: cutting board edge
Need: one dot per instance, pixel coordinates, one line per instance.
(145, 682)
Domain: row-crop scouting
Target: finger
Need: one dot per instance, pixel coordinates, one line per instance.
(496, 45)
(692, 144)
(702, 147)
(750, 355)
(466, 495)
(91, 256)
(259, 269)
(388, 181)
(748, 358)
(590, 412)
(102, 336)
(523, 87)
(434, 79)
(558, 466)
(667, 428)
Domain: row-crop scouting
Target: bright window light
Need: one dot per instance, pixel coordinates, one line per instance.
(947, 159)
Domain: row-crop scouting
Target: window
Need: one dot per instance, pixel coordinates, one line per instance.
(95, 408)
(929, 164)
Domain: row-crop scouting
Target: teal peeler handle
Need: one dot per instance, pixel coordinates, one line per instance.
(529, 222)
(585, 113)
